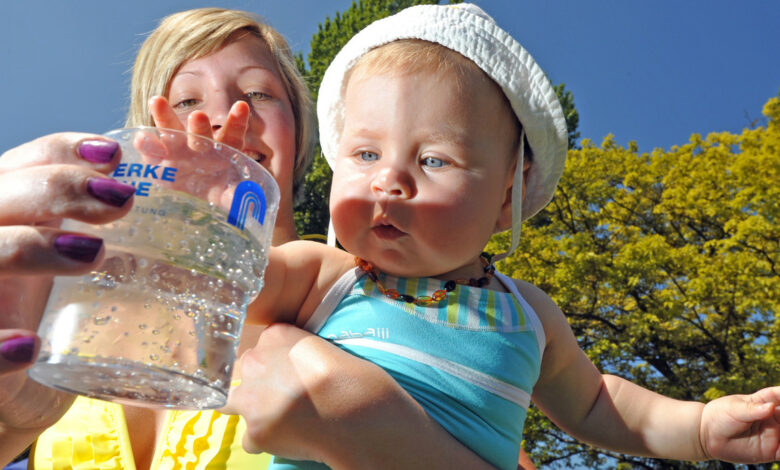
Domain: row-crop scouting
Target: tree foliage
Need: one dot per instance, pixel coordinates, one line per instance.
(666, 265)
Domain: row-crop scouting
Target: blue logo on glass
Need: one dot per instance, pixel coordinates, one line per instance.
(249, 199)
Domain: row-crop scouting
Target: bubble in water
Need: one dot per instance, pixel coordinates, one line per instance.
(154, 357)
(100, 321)
(113, 309)
(143, 326)
(147, 306)
(103, 279)
(155, 332)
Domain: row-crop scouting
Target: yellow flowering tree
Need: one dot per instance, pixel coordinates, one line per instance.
(666, 265)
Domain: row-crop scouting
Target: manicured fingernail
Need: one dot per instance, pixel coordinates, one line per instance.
(98, 151)
(19, 349)
(110, 191)
(78, 247)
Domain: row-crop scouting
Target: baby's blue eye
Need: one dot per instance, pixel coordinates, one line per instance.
(433, 162)
(369, 156)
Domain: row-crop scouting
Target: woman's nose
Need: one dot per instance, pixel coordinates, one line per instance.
(217, 110)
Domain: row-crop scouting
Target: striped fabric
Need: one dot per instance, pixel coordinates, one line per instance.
(466, 307)
(470, 362)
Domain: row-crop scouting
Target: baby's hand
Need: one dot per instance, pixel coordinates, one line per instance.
(231, 132)
(743, 428)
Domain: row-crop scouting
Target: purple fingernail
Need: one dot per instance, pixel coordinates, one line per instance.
(19, 349)
(110, 191)
(98, 151)
(78, 247)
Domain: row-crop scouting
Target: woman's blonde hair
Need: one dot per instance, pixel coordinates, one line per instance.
(193, 34)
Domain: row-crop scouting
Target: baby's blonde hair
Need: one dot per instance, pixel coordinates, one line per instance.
(193, 34)
(411, 56)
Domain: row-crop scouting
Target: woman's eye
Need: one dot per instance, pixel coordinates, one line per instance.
(188, 103)
(433, 162)
(369, 156)
(257, 96)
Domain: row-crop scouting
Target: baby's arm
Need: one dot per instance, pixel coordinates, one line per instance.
(297, 277)
(613, 413)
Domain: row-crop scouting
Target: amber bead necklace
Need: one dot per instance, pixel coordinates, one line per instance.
(438, 295)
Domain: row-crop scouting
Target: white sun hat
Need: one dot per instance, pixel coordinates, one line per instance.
(466, 29)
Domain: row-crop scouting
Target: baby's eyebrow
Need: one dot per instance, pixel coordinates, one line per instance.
(448, 134)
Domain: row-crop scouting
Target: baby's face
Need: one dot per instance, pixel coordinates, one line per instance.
(423, 173)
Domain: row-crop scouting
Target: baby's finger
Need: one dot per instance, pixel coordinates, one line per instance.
(234, 130)
(96, 152)
(163, 114)
(198, 123)
(45, 193)
(26, 250)
(18, 349)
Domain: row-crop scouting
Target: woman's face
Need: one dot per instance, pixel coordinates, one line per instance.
(242, 70)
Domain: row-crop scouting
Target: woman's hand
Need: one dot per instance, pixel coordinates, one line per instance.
(44, 181)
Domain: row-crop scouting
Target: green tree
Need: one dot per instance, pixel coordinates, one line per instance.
(311, 210)
(666, 266)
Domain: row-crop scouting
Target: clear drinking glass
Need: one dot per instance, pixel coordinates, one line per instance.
(158, 323)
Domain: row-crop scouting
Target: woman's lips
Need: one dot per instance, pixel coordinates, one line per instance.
(386, 232)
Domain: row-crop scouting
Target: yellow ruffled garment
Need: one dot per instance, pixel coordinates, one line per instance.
(93, 435)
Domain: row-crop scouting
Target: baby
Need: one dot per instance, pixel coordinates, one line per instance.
(441, 131)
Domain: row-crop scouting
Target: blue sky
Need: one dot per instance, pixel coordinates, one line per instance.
(652, 72)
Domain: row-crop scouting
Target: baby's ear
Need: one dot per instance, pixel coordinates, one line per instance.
(504, 221)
